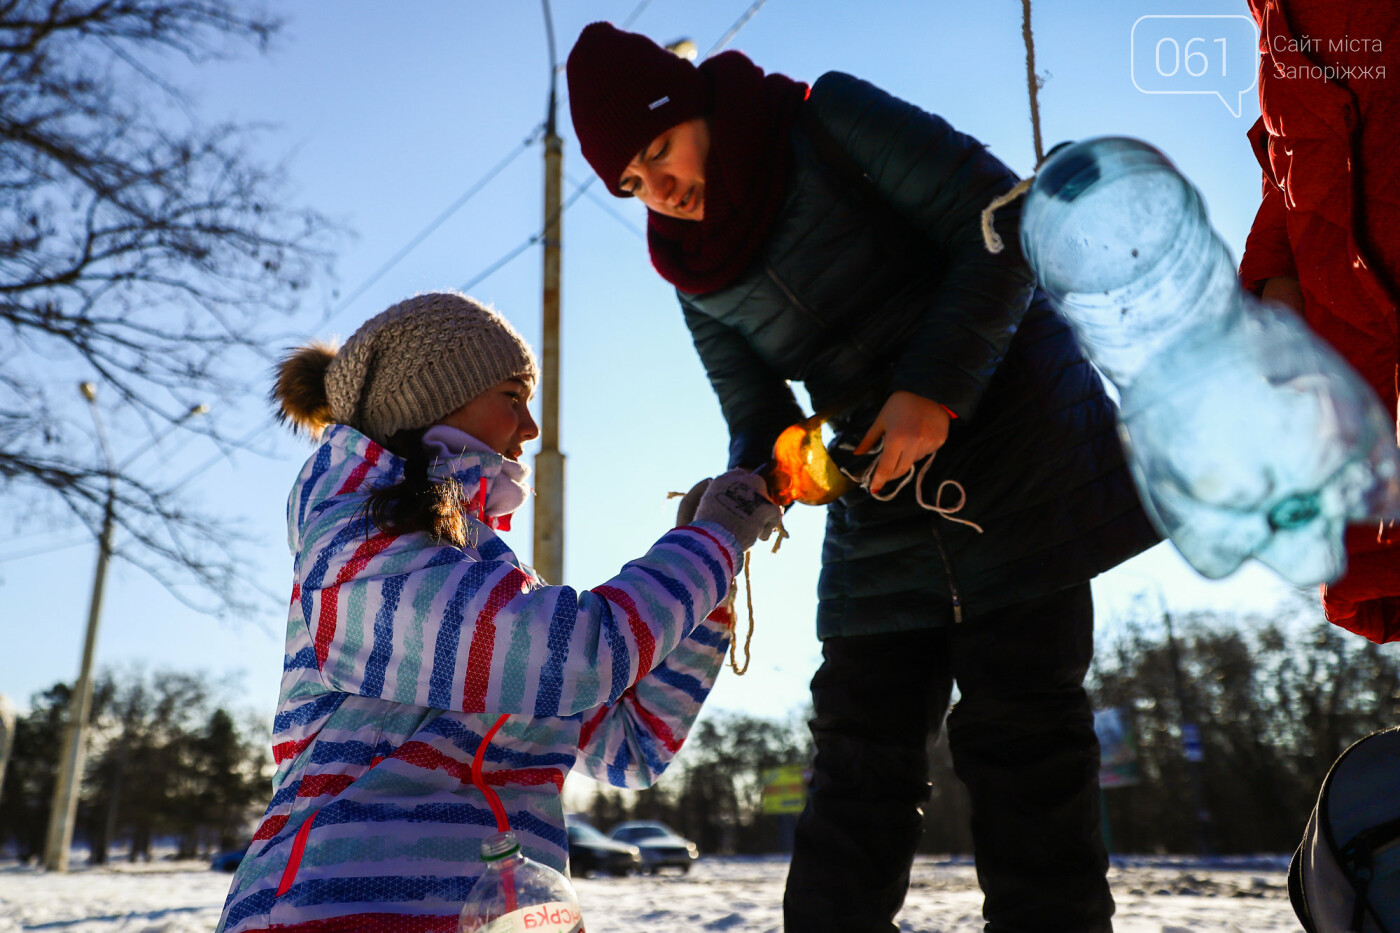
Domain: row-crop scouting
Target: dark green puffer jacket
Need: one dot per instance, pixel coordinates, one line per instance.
(867, 287)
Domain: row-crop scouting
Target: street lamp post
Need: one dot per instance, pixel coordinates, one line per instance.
(64, 809)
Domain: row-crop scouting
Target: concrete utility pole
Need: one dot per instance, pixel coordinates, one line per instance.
(64, 808)
(70, 767)
(7, 734)
(549, 462)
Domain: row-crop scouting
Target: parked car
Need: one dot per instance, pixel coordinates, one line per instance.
(590, 851)
(662, 847)
(228, 860)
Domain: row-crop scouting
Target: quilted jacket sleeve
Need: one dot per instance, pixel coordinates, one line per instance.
(1267, 251)
(939, 180)
(384, 616)
(630, 742)
(757, 403)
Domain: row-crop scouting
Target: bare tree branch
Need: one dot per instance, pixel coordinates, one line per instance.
(144, 251)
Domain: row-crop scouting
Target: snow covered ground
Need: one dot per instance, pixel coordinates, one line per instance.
(726, 894)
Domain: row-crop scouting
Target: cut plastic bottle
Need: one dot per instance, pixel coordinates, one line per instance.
(1247, 434)
(801, 469)
(516, 894)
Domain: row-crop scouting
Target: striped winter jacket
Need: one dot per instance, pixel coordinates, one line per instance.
(401, 654)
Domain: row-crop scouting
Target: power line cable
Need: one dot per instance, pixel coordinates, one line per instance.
(612, 212)
(499, 263)
(260, 428)
(529, 242)
(34, 552)
(433, 225)
(739, 23)
(637, 11)
(534, 137)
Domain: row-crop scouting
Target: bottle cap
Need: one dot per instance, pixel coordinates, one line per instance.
(499, 846)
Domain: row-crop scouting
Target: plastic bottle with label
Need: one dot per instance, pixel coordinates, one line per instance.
(516, 894)
(1248, 435)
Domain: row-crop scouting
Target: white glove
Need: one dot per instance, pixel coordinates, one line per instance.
(738, 501)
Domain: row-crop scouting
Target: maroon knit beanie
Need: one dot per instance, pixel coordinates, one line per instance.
(624, 91)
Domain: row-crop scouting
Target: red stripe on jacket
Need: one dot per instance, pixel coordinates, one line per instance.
(586, 733)
(357, 475)
(646, 643)
(326, 624)
(478, 677)
(722, 549)
(284, 750)
(372, 923)
(270, 827)
(317, 785)
(423, 755)
(654, 723)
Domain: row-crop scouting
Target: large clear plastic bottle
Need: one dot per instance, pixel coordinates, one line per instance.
(1248, 435)
(517, 894)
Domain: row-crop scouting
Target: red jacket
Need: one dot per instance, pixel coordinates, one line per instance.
(1329, 144)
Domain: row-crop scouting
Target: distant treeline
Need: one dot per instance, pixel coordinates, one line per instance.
(1273, 709)
(1275, 706)
(164, 762)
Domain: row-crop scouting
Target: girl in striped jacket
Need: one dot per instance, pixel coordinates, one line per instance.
(418, 646)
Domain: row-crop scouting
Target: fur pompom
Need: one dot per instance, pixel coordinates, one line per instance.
(299, 393)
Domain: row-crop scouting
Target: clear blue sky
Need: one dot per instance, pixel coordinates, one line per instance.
(387, 112)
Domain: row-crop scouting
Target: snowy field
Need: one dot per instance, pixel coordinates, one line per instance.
(728, 894)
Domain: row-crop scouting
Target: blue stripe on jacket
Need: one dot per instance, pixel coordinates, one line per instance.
(617, 642)
(351, 752)
(617, 768)
(320, 463)
(679, 591)
(381, 890)
(303, 660)
(450, 633)
(467, 740)
(307, 713)
(561, 630)
(356, 528)
(249, 905)
(716, 569)
(378, 662)
(436, 812)
(708, 637)
(492, 549)
(531, 823)
(689, 684)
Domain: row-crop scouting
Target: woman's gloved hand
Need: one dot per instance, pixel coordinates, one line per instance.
(738, 501)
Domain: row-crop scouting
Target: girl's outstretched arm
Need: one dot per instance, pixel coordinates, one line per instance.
(388, 616)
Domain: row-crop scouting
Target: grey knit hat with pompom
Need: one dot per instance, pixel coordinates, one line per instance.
(421, 360)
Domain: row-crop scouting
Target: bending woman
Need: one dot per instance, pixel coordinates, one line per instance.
(831, 235)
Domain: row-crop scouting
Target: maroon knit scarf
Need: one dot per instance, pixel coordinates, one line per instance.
(746, 171)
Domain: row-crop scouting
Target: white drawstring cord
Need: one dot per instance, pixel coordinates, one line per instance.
(863, 480)
(938, 496)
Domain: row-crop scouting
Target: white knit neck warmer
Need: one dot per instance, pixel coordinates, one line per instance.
(442, 442)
